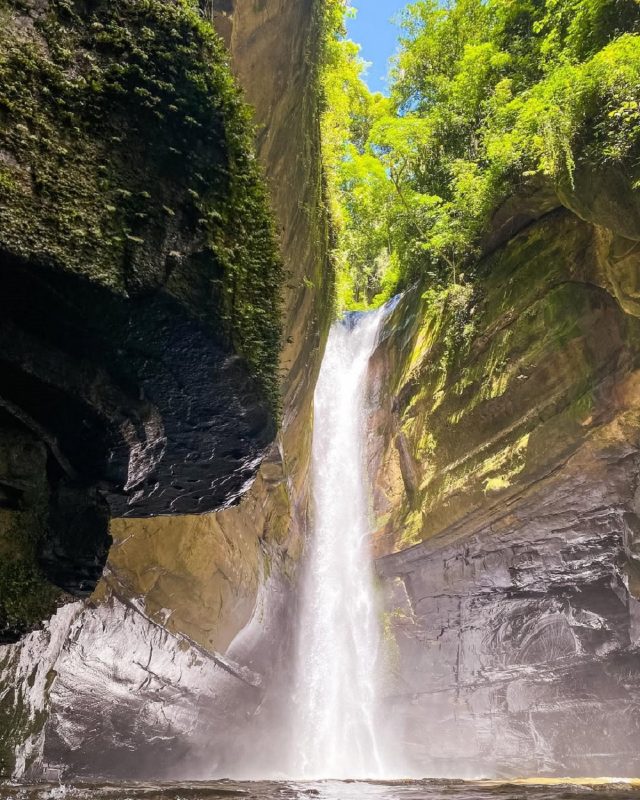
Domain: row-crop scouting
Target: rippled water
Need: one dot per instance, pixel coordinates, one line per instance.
(324, 790)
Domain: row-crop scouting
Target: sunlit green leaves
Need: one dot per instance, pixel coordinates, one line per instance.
(487, 95)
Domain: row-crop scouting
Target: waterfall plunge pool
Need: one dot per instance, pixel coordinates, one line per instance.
(601, 789)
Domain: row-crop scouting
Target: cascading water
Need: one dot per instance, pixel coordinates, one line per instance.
(337, 697)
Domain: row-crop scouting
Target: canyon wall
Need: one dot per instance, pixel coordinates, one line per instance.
(219, 561)
(140, 304)
(182, 632)
(504, 448)
(138, 410)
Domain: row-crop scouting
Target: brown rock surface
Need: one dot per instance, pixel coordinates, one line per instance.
(272, 48)
(141, 669)
(505, 453)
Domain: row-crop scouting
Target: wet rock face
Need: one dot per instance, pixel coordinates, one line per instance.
(155, 703)
(140, 305)
(522, 640)
(179, 590)
(505, 451)
(132, 395)
(81, 664)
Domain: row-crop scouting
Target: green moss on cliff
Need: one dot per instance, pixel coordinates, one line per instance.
(496, 386)
(26, 598)
(126, 156)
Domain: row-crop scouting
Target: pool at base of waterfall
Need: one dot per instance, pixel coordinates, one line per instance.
(557, 789)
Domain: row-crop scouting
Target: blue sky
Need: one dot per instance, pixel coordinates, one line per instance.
(372, 28)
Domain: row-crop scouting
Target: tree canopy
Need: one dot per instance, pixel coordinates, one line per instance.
(486, 97)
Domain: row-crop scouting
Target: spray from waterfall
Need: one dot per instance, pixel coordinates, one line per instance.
(337, 692)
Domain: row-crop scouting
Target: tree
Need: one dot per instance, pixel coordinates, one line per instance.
(486, 95)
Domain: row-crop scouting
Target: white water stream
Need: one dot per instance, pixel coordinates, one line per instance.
(336, 730)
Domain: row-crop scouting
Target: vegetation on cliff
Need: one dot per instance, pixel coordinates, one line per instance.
(486, 98)
(127, 173)
(121, 133)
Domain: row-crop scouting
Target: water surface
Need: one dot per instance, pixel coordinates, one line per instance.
(325, 790)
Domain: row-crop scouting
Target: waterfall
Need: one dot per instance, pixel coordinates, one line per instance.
(336, 726)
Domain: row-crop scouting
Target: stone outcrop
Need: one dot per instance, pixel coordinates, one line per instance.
(140, 326)
(214, 586)
(505, 450)
(208, 571)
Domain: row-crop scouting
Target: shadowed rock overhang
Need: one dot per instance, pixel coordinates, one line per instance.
(139, 311)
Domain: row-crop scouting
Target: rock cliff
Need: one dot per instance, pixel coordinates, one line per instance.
(274, 49)
(141, 282)
(505, 456)
(151, 512)
(178, 589)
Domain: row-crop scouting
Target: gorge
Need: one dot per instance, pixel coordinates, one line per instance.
(433, 570)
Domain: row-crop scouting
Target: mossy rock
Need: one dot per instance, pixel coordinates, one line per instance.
(497, 383)
(126, 156)
(140, 324)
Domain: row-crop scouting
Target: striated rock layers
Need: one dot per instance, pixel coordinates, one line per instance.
(506, 462)
(137, 672)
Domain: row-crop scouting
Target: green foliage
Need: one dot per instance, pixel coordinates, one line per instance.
(127, 156)
(355, 178)
(486, 97)
(25, 596)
